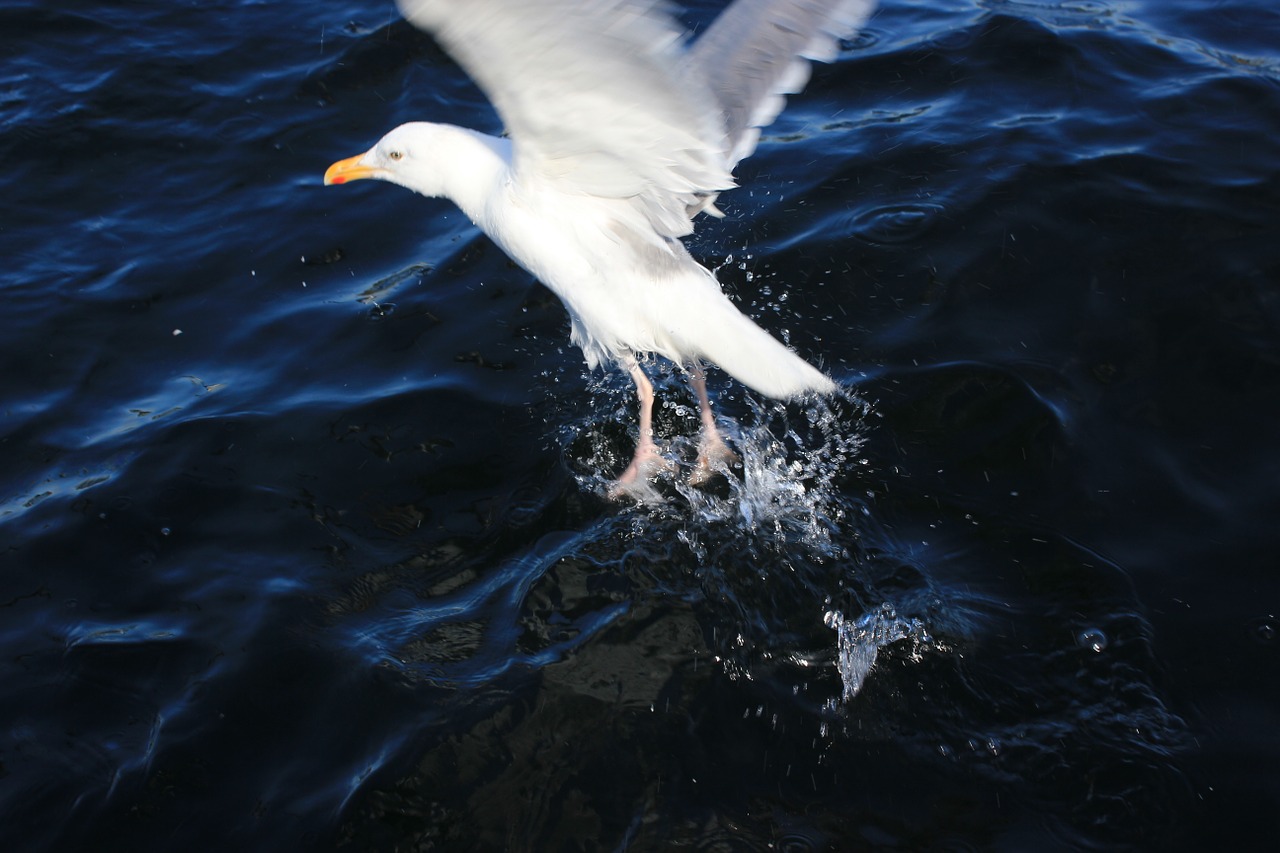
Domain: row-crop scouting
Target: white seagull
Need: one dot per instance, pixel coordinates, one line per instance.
(619, 132)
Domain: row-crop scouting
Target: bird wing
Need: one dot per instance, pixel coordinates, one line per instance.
(758, 51)
(594, 97)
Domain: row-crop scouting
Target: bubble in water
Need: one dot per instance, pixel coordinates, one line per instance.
(1092, 638)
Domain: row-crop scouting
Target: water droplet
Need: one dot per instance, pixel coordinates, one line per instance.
(1263, 630)
(1092, 638)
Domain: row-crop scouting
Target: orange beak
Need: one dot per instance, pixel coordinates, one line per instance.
(349, 169)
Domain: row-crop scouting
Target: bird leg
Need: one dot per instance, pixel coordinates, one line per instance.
(713, 453)
(647, 460)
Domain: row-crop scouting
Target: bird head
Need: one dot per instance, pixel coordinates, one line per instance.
(400, 157)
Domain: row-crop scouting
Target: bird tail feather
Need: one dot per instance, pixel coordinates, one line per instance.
(756, 359)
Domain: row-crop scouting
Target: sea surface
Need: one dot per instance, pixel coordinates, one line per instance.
(304, 542)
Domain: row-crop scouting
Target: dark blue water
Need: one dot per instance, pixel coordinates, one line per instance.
(302, 530)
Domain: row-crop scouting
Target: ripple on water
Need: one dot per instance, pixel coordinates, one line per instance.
(894, 223)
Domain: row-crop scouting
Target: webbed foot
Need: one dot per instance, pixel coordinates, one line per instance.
(636, 482)
(714, 458)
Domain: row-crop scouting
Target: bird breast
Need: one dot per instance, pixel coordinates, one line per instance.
(627, 291)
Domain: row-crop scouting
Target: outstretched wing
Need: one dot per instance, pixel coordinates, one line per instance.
(758, 51)
(594, 96)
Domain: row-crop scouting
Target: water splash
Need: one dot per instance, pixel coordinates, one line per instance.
(859, 641)
(785, 491)
(793, 457)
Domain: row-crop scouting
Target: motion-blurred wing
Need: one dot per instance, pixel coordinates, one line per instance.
(593, 95)
(758, 51)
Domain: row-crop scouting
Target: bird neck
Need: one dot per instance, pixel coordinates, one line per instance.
(477, 163)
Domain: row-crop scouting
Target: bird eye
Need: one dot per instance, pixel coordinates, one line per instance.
(395, 155)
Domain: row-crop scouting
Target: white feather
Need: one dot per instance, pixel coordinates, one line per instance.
(619, 135)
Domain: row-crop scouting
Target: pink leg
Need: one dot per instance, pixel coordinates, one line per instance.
(647, 461)
(713, 453)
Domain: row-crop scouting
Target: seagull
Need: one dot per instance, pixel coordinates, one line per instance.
(620, 130)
